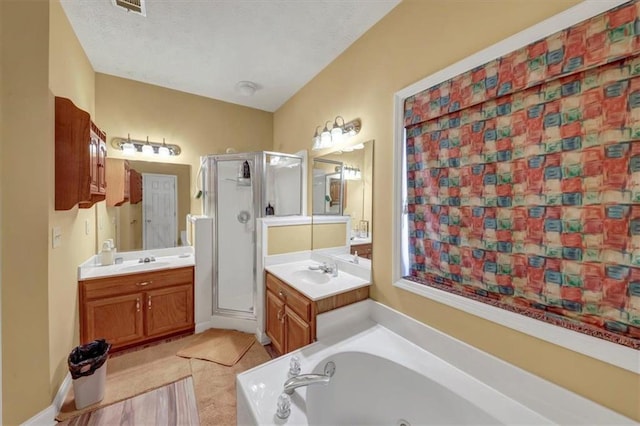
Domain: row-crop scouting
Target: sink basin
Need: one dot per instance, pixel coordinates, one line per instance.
(312, 277)
(144, 266)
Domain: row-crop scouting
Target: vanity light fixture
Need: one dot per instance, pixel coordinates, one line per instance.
(130, 146)
(337, 134)
(352, 173)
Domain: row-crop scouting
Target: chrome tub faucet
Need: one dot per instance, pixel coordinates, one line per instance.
(310, 379)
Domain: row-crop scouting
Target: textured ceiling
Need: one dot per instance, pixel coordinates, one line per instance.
(205, 47)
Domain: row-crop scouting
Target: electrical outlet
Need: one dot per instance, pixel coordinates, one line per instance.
(56, 237)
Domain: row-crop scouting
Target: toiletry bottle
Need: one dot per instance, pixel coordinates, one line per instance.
(106, 255)
(246, 171)
(269, 211)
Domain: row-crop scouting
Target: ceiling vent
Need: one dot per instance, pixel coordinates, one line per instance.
(135, 6)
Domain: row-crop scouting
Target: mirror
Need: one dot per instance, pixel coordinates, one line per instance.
(329, 197)
(343, 186)
(163, 185)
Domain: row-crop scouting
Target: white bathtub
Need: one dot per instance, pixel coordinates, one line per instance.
(382, 378)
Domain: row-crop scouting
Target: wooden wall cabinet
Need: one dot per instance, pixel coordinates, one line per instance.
(132, 309)
(80, 156)
(135, 189)
(118, 182)
(291, 316)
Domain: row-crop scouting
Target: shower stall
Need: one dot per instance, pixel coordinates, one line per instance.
(238, 189)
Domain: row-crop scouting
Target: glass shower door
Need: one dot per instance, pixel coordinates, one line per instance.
(235, 209)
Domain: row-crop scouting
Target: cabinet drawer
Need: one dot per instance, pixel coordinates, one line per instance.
(124, 284)
(297, 302)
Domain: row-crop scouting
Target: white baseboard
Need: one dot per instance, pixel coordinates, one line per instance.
(262, 337)
(47, 417)
(202, 326)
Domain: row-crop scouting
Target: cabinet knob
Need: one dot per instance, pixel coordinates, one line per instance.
(282, 294)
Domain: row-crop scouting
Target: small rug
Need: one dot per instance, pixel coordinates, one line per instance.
(174, 403)
(224, 347)
(129, 376)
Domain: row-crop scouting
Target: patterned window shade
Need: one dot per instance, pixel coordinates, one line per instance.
(523, 180)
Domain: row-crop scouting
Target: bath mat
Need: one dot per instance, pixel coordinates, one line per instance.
(125, 381)
(175, 403)
(224, 347)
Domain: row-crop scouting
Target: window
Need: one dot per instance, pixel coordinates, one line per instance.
(493, 185)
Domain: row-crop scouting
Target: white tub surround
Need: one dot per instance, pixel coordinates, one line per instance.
(169, 258)
(409, 371)
(315, 284)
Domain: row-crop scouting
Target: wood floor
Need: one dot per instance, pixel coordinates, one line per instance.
(174, 404)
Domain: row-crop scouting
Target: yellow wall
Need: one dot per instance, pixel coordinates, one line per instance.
(287, 239)
(199, 125)
(70, 76)
(326, 235)
(27, 152)
(413, 41)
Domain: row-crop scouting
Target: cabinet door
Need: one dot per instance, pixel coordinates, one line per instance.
(117, 319)
(169, 310)
(102, 161)
(298, 331)
(275, 321)
(94, 164)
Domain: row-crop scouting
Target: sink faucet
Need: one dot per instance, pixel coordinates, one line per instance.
(330, 268)
(310, 379)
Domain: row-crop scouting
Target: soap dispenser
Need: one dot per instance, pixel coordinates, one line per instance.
(269, 211)
(106, 255)
(246, 170)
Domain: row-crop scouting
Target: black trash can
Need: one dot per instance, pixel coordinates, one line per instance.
(88, 368)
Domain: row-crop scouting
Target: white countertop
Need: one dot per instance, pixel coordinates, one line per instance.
(294, 274)
(359, 240)
(178, 257)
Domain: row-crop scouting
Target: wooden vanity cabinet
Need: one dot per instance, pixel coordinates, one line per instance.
(132, 309)
(80, 155)
(364, 250)
(291, 316)
(118, 180)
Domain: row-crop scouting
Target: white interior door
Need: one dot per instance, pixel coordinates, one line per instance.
(159, 211)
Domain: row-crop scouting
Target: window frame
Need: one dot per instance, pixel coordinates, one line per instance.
(605, 351)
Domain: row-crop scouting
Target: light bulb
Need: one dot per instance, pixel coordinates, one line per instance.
(337, 130)
(316, 140)
(146, 148)
(128, 148)
(163, 150)
(325, 137)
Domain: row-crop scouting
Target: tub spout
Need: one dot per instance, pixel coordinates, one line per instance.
(310, 379)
